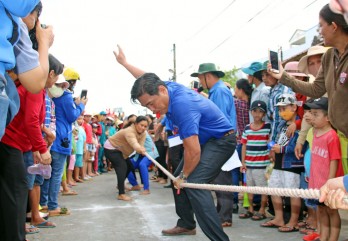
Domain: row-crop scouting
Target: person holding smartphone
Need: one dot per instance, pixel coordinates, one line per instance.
(67, 111)
(332, 76)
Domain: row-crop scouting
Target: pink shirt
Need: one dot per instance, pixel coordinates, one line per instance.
(325, 148)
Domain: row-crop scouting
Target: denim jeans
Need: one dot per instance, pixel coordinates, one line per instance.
(29, 161)
(9, 102)
(142, 164)
(50, 187)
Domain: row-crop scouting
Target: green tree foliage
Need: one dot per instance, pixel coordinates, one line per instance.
(230, 76)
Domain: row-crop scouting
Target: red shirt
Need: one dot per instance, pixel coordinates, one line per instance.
(325, 148)
(300, 109)
(24, 132)
(88, 130)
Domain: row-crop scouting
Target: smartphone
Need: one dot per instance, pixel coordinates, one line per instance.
(83, 94)
(274, 60)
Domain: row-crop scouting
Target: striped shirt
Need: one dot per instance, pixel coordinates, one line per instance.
(257, 153)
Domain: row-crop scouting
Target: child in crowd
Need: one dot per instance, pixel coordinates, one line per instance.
(92, 151)
(325, 162)
(255, 156)
(287, 168)
(80, 149)
(72, 159)
(89, 145)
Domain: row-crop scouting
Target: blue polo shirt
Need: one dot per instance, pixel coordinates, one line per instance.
(222, 97)
(195, 115)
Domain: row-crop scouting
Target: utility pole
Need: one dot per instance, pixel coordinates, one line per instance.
(174, 74)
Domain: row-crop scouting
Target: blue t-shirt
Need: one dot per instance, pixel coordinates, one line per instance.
(222, 97)
(195, 115)
(16, 9)
(66, 113)
(81, 139)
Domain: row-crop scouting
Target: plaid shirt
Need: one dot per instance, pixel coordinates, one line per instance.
(242, 110)
(273, 110)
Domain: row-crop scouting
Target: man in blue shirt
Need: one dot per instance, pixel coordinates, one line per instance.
(208, 140)
(220, 95)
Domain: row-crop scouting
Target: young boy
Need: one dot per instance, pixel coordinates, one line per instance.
(255, 156)
(80, 149)
(92, 151)
(287, 168)
(325, 160)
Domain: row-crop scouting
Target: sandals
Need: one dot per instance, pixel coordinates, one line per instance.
(31, 229)
(226, 224)
(59, 212)
(288, 229)
(258, 216)
(68, 193)
(246, 215)
(269, 224)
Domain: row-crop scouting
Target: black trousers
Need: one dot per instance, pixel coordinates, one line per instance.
(13, 194)
(200, 202)
(161, 159)
(122, 167)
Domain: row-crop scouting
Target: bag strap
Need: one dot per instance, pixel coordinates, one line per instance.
(15, 33)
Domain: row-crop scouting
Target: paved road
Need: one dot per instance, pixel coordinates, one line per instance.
(98, 215)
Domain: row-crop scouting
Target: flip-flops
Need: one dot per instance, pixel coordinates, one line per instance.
(269, 224)
(31, 229)
(61, 212)
(258, 216)
(68, 193)
(245, 215)
(288, 229)
(45, 224)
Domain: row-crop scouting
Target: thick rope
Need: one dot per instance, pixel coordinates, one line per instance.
(286, 192)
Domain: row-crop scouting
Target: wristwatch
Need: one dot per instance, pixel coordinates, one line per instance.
(182, 176)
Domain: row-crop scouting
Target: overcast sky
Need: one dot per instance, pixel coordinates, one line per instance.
(228, 33)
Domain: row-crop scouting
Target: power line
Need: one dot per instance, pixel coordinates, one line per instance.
(216, 17)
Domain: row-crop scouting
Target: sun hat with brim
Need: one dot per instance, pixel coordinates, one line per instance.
(61, 80)
(254, 67)
(208, 68)
(314, 50)
(292, 69)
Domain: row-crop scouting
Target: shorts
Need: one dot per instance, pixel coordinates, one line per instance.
(29, 161)
(79, 160)
(91, 147)
(284, 179)
(256, 177)
(39, 180)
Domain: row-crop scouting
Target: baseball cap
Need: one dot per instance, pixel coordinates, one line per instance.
(61, 80)
(71, 74)
(321, 103)
(94, 125)
(259, 104)
(286, 99)
(102, 113)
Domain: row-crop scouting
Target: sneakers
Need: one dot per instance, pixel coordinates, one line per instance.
(40, 169)
(235, 208)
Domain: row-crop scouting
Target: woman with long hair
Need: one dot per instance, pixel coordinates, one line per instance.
(120, 146)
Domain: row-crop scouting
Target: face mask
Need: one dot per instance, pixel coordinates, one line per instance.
(286, 115)
(56, 91)
(254, 86)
